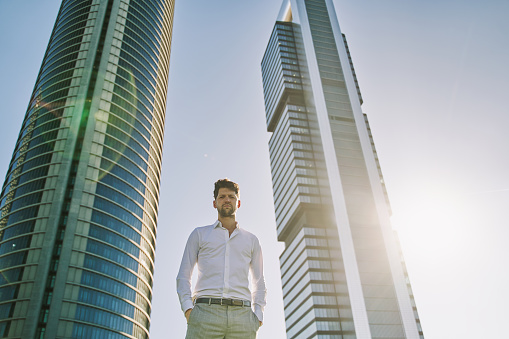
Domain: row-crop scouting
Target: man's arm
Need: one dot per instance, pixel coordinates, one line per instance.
(189, 260)
(259, 292)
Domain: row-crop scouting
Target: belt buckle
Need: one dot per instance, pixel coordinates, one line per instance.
(221, 302)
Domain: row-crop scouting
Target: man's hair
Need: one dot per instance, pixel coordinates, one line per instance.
(225, 183)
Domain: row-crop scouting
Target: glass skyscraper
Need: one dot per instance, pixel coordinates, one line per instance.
(342, 270)
(80, 199)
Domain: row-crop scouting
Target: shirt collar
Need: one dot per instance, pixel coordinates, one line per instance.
(219, 224)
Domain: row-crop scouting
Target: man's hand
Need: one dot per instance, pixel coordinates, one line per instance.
(261, 323)
(188, 313)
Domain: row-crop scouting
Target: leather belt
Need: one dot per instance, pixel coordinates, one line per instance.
(224, 302)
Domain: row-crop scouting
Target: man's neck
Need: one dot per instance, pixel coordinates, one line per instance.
(229, 223)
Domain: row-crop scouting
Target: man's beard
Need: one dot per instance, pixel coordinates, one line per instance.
(227, 213)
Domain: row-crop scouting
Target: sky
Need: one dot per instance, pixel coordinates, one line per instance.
(434, 78)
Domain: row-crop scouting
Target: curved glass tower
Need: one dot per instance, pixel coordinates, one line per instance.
(343, 275)
(80, 199)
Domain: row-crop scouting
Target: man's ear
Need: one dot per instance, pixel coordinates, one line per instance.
(214, 204)
(238, 203)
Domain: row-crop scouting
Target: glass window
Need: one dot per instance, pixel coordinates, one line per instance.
(103, 318)
(8, 292)
(85, 331)
(30, 187)
(130, 130)
(118, 171)
(109, 285)
(126, 152)
(26, 200)
(40, 172)
(10, 276)
(120, 199)
(116, 225)
(104, 300)
(113, 270)
(15, 244)
(118, 159)
(128, 139)
(22, 228)
(26, 213)
(138, 121)
(114, 240)
(5, 310)
(113, 254)
(14, 259)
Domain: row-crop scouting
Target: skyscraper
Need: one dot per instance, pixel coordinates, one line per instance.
(342, 271)
(80, 199)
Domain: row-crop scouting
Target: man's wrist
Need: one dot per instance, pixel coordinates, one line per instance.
(187, 305)
(258, 311)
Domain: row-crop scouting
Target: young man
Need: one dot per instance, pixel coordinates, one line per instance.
(221, 306)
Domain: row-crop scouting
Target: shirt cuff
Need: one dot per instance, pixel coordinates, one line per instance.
(258, 312)
(187, 305)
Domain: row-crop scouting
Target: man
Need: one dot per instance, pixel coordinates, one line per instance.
(221, 305)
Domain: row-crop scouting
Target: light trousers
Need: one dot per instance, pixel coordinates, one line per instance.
(222, 322)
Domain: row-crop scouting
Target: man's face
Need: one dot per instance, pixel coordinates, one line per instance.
(226, 202)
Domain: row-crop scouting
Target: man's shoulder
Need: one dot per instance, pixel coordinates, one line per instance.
(246, 233)
(201, 229)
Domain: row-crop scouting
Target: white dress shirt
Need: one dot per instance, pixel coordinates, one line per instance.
(224, 263)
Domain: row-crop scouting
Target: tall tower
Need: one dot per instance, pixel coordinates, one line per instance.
(342, 271)
(80, 199)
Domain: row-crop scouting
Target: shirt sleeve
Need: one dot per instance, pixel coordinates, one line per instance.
(259, 292)
(184, 275)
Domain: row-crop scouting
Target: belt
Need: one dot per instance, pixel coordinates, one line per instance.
(224, 302)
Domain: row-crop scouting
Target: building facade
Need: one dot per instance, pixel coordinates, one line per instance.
(80, 200)
(342, 270)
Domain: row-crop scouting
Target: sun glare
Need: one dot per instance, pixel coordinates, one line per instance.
(433, 222)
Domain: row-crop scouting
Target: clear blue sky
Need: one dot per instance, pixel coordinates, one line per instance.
(434, 78)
